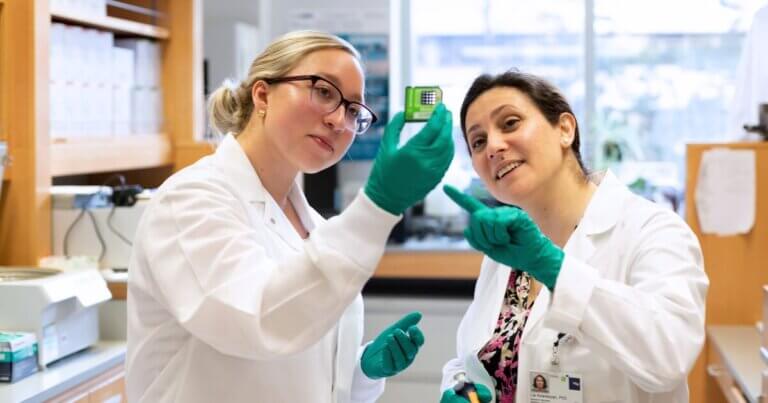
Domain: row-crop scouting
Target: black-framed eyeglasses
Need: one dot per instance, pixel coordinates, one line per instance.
(327, 97)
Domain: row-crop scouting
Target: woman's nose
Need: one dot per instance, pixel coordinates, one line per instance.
(496, 146)
(336, 119)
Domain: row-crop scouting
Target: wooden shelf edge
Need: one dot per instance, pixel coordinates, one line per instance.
(83, 156)
(434, 265)
(113, 24)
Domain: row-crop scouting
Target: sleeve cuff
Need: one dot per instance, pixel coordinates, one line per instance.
(571, 295)
(361, 230)
(365, 387)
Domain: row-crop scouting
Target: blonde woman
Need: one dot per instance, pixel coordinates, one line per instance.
(238, 290)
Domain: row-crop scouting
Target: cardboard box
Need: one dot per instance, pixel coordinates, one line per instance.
(18, 355)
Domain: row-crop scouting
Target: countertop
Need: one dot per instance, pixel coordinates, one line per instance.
(434, 258)
(65, 373)
(740, 348)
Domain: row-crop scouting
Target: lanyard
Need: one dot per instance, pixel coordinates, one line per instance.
(561, 337)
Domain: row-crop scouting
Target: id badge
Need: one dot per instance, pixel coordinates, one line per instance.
(549, 387)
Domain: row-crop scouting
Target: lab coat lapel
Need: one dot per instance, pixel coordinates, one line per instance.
(601, 215)
(277, 221)
(232, 161)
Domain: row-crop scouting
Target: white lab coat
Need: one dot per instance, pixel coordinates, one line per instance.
(631, 292)
(751, 80)
(227, 303)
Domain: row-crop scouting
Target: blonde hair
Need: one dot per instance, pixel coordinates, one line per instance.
(230, 107)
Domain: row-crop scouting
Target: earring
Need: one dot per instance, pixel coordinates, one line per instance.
(261, 112)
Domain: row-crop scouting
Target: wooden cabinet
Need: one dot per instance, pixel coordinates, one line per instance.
(456, 265)
(108, 387)
(735, 266)
(37, 159)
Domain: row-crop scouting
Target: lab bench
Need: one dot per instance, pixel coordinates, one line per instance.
(92, 375)
(735, 362)
(436, 269)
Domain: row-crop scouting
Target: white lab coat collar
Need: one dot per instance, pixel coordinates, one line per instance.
(602, 212)
(231, 159)
(601, 215)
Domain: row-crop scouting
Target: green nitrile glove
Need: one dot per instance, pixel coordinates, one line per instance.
(509, 236)
(402, 177)
(394, 349)
(450, 396)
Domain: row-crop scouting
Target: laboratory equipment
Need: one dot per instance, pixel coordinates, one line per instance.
(60, 307)
(92, 221)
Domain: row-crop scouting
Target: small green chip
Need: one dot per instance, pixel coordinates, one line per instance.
(420, 102)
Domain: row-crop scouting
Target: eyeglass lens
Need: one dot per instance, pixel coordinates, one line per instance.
(328, 99)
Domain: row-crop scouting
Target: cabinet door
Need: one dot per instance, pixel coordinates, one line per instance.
(108, 387)
(112, 391)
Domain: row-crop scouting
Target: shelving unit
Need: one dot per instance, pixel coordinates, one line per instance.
(735, 266)
(38, 159)
(94, 155)
(116, 25)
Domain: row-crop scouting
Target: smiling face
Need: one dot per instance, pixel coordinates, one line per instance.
(514, 149)
(311, 139)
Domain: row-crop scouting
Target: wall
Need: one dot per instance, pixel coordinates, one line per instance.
(229, 27)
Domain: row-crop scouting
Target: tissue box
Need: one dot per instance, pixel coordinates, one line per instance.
(18, 355)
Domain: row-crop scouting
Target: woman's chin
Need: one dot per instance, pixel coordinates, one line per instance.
(514, 195)
(314, 167)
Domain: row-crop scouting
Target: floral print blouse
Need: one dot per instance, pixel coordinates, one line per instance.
(500, 354)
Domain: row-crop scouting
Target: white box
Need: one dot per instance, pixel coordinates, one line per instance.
(121, 110)
(57, 67)
(57, 124)
(74, 53)
(147, 61)
(123, 66)
(104, 57)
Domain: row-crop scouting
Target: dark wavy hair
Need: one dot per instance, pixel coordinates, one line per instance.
(547, 98)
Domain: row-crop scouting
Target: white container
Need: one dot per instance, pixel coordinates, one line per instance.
(61, 307)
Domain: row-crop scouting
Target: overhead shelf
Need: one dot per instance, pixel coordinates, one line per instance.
(117, 25)
(82, 156)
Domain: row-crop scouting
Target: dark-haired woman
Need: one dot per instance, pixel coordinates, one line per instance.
(618, 282)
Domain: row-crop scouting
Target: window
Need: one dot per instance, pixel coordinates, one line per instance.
(643, 77)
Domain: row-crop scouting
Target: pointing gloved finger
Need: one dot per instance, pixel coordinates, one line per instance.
(465, 201)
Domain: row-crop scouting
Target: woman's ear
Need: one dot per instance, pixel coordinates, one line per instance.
(567, 124)
(259, 92)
